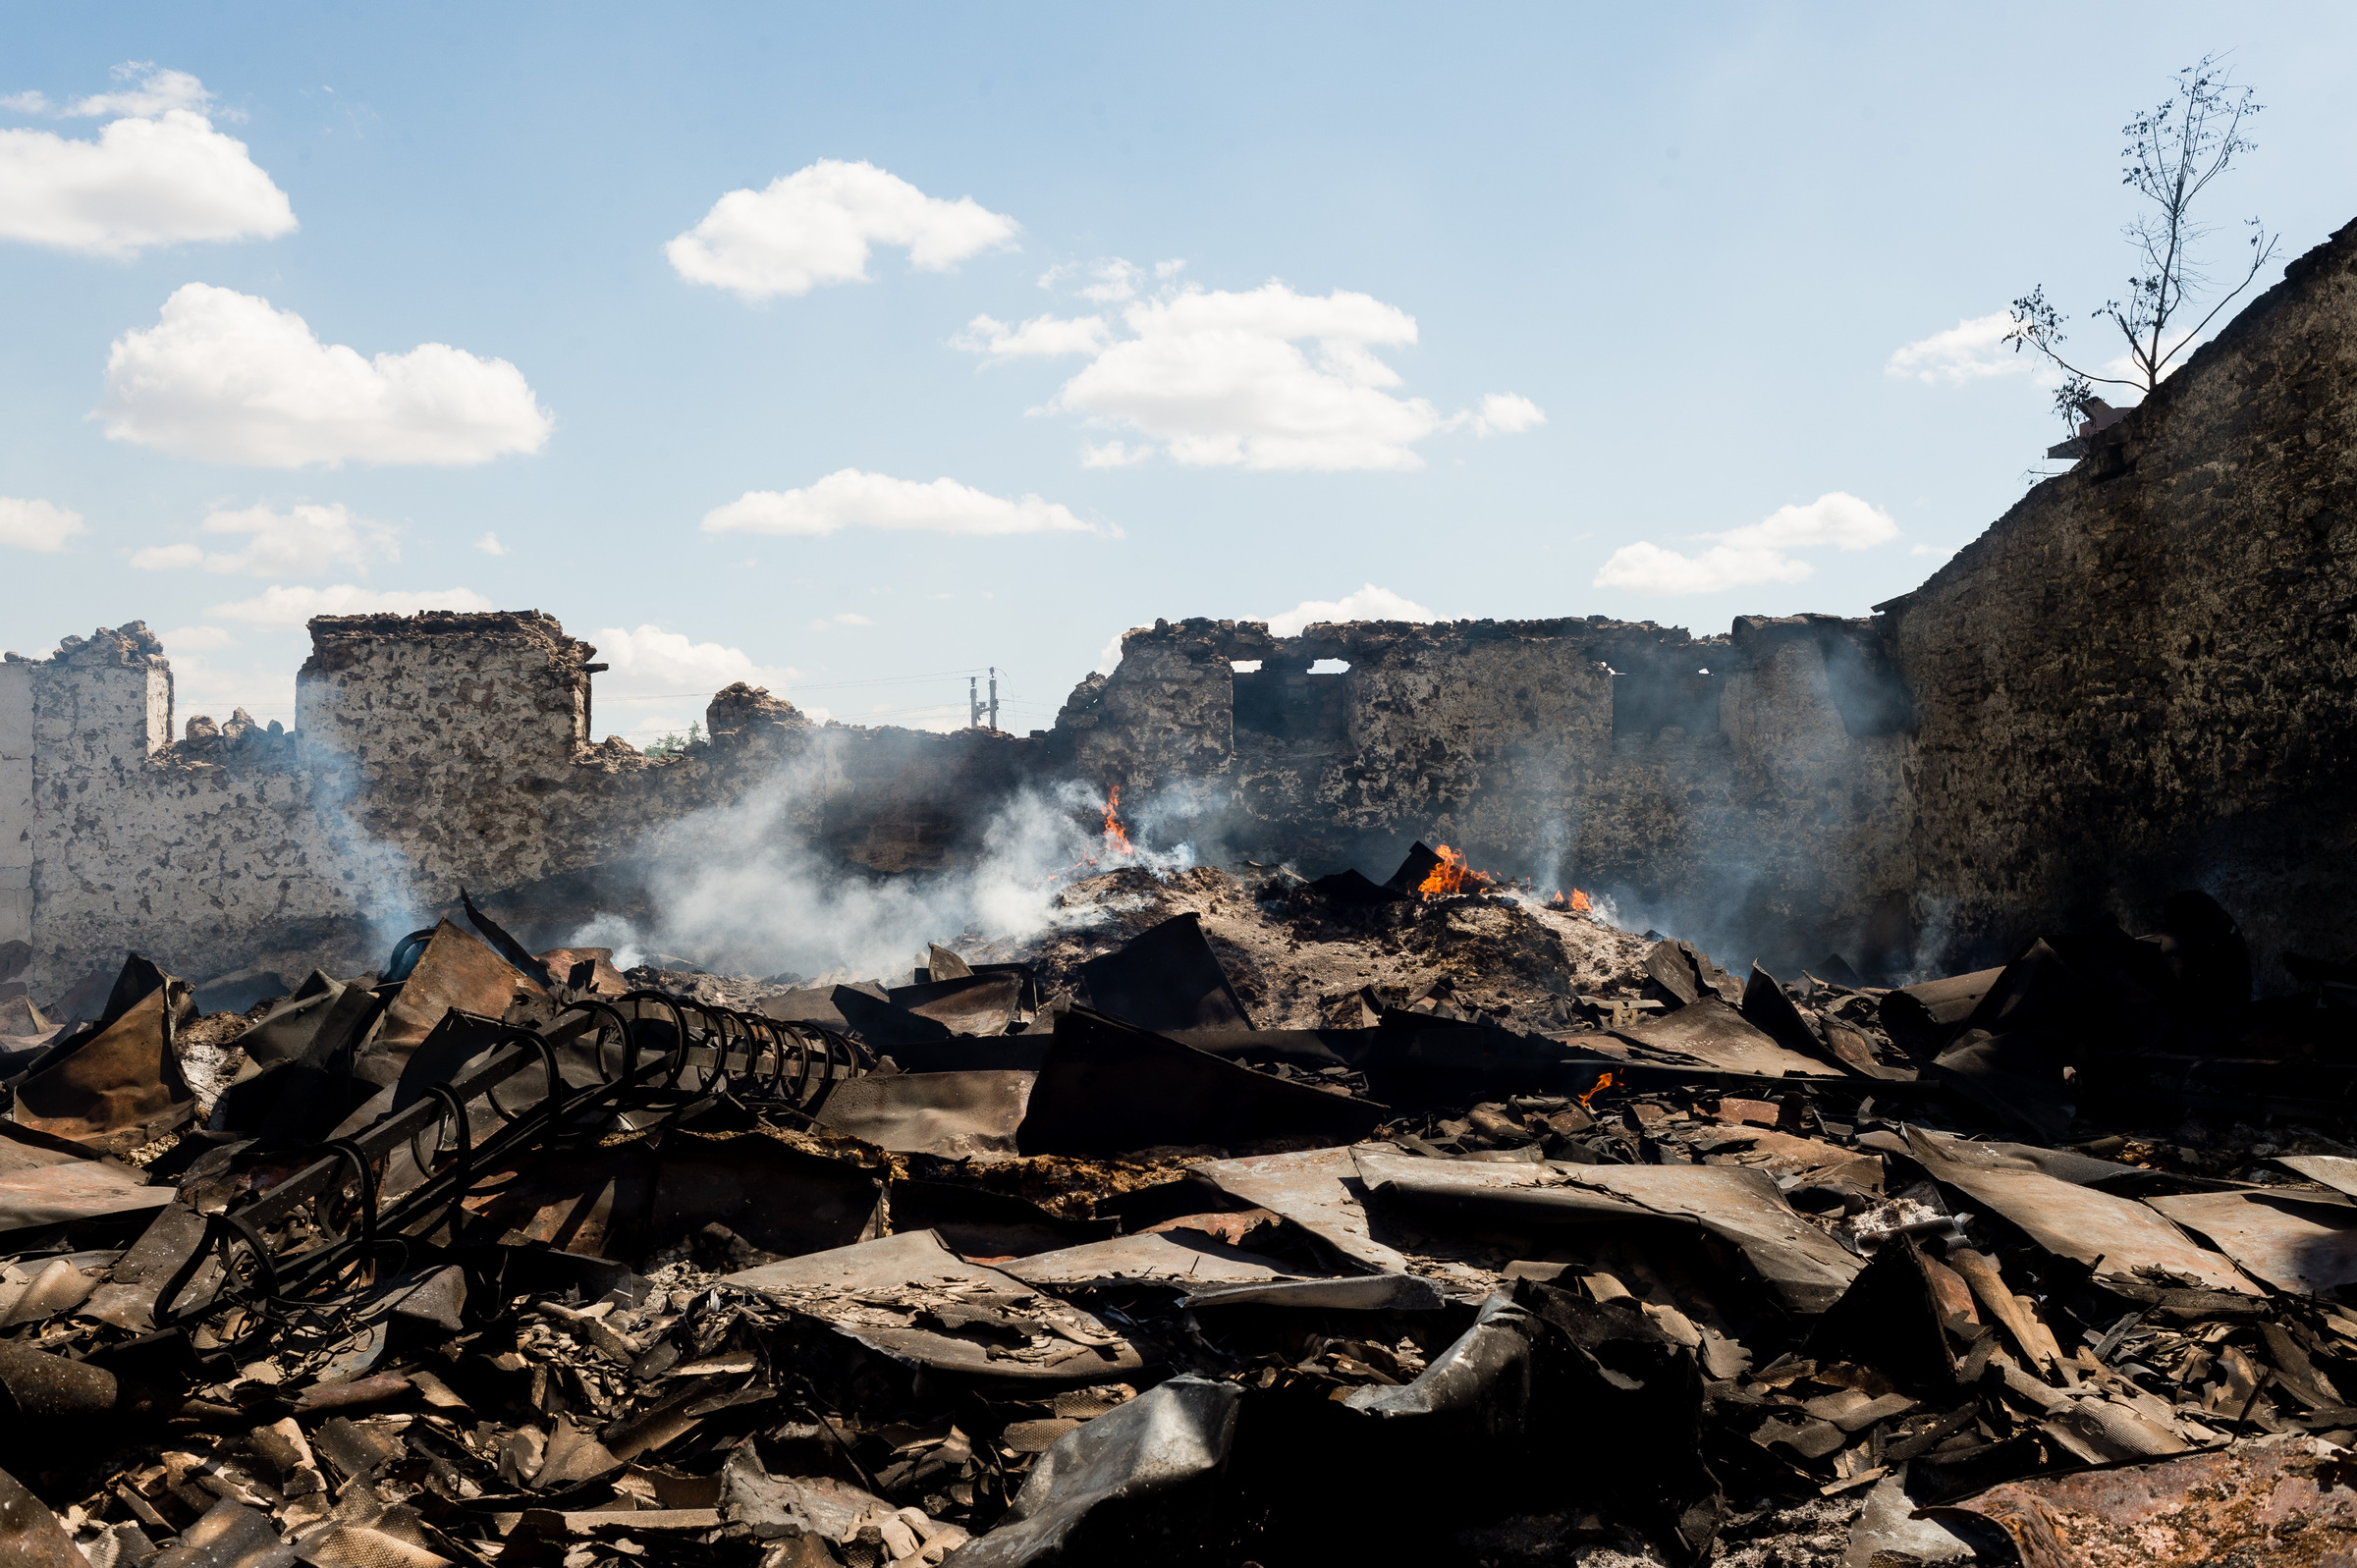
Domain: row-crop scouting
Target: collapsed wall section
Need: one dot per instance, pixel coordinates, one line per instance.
(1731, 785)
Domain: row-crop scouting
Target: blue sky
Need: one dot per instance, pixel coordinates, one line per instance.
(1469, 304)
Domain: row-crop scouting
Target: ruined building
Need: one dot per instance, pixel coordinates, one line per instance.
(2139, 678)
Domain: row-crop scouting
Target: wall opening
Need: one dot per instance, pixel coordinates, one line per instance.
(1648, 701)
(1292, 699)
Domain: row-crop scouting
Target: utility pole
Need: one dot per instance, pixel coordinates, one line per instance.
(994, 696)
(973, 703)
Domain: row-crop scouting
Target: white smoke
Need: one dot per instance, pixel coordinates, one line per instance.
(743, 888)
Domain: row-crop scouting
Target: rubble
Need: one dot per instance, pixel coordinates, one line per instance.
(1239, 1218)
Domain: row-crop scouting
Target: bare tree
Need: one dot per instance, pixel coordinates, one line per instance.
(2174, 150)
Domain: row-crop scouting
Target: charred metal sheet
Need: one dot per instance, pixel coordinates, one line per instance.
(967, 1004)
(1806, 1269)
(2015, 1076)
(1107, 1088)
(810, 1004)
(1925, 1018)
(2336, 1171)
(2281, 1505)
(1083, 1491)
(590, 1201)
(44, 1386)
(1685, 974)
(1710, 1032)
(1345, 1293)
(1164, 978)
(1187, 1259)
(229, 1535)
(2307, 1248)
(600, 977)
(1890, 1531)
(2063, 1164)
(1419, 864)
(1485, 1373)
(1319, 1190)
(453, 971)
(1766, 1007)
(911, 1298)
(30, 1536)
(127, 1299)
(984, 1226)
(1302, 1048)
(882, 1025)
(777, 1197)
(946, 1114)
(1350, 886)
(46, 1181)
(520, 956)
(2118, 1237)
(122, 1084)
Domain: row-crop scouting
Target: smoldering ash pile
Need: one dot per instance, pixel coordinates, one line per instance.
(1289, 1112)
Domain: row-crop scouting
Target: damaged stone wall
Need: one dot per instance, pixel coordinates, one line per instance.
(2143, 676)
(2141, 679)
(1724, 784)
(431, 752)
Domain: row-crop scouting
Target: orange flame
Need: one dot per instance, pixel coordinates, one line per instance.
(1579, 902)
(1450, 877)
(1117, 838)
(1604, 1082)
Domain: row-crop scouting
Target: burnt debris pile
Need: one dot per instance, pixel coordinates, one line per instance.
(1494, 1235)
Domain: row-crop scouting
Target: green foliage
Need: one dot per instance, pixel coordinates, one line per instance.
(672, 745)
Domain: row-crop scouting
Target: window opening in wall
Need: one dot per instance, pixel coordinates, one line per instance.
(1292, 698)
(1244, 666)
(1646, 702)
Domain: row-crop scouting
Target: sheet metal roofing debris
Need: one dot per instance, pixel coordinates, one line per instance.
(505, 1258)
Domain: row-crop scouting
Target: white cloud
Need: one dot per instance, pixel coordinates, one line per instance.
(489, 545)
(1112, 454)
(37, 524)
(1836, 518)
(264, 688)
(1753, 554)
(224, 378)
(146, 91)
(280, 609)
(304, 541)
(1649, 569)
(849, 497)
(1506, 413)
(1108, 658)
(195, 639)
(815, 226)
(1369, 603)
(1220, 378)
(1041, 337)
(1969, 351)
(1115, 280)
(660, 680)
(159, 175)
